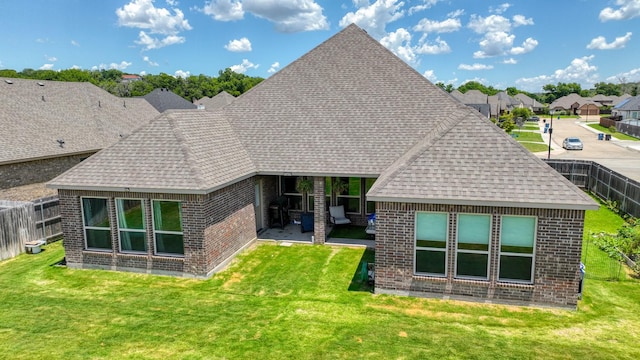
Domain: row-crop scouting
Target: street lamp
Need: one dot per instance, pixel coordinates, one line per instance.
(550, 131)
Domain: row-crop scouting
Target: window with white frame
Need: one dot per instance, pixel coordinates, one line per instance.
(517, 244)
(131, 229)
(431, 243)
(472, 247)
(350, 197)
(167, 227)
(96, 223)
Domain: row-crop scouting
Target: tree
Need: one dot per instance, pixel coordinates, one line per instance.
(608, 89)
(523, 113)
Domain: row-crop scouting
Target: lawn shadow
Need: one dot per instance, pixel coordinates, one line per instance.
(360, 280)
(60, 263)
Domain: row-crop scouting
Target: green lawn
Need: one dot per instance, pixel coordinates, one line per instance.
(615, 134)
(535, 147)
(298, 302)
(527, 136)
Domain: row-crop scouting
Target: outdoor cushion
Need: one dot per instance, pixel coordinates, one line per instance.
(336, 215)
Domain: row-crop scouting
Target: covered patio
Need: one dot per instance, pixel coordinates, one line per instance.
(292, 233)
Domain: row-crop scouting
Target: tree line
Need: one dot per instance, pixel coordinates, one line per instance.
(190, 88)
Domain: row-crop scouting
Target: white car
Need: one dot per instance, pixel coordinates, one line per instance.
(572, 143)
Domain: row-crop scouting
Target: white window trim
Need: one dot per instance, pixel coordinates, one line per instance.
(488, 252)
(153, 224)
(85, 227)
(532, 255)
(359, 197)
(144, 222)
(416, 247)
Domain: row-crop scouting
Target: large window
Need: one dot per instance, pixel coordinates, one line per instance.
(327, 192)
(431, 243)
(517, 243)
(350, 196)
(131, 229)
(97, 227)
(472, 248)
(167, 227)
(288, 189)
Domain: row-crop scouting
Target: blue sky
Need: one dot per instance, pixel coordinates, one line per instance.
(521, 43)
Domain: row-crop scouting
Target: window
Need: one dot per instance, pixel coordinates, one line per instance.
(97, 227)
(371, 205)
(327, 191)
(131, 229)
(288, 189)
(517, 239)
(472, 248)
(431, 243)
(167, 227)
(350, 197)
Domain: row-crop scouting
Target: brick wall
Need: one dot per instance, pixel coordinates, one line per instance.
(37, 171)
(556, 267)
(215, 227)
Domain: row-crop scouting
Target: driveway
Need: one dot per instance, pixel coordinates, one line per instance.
(617, 155)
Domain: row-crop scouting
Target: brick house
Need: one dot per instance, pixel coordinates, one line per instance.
(462, 209)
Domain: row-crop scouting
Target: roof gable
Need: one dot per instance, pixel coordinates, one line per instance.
(164, 99)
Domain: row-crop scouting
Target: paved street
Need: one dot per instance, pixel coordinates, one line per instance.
(617, 155)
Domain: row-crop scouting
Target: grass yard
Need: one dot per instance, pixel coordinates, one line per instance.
(535, 147)
(298, 302)
(348, 232)
(528, 136)
(615, 134)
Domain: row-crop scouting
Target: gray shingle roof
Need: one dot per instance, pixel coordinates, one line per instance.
(165, 99)
(633, 103)
(33, 117)
(212, 103)
(349, 107)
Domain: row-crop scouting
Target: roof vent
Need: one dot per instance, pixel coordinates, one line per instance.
(61, 142)
(40, 83)
(8, 81)
(124, 103)
(43, 98)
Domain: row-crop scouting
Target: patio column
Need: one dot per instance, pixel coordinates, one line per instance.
(319, 217)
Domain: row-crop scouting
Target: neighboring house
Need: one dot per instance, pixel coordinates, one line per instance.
(502, 103)
(568, 103)
(462, 209)
(212, 103)
(164, 99)
(127, 78)
(628, 108)
(529, 103)
(49, 126)
(474, 99)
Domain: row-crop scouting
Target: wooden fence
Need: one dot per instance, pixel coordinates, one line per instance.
(602, 181)
(48, 222)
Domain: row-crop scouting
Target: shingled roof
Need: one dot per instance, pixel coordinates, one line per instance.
(212, 103)
(349, 107)
(164, 99)
(34, 114)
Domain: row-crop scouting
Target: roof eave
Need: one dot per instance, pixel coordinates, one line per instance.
(497, 203)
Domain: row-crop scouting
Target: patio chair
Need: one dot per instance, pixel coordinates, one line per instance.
(337, 216)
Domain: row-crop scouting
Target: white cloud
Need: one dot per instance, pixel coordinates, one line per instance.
(632, 75)
(439, 47)
(426, 4)
(456, 13)
(500, 8)
(510, 61)
(142, 73)
(181, 74)
(628, 9)
(274, 67)
(475, 67)
(289, 16)
(600, 43)
(148, 61)
(46, 67)
(399, 42)
(491, 23)
(142, 14)
(242, 68)
(375, 17)
(172, 2)
(121, 66)
(75, 67)
(494, 44)
(241, 45)
(579, 71)
(75, 43)
(51, 58)
(430, 75)
(520, 20)
(150, 43)
(428, 26)
(527, 46)
(223, 10)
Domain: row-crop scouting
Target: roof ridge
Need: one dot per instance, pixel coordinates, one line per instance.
(196, 171)
(422, 145)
